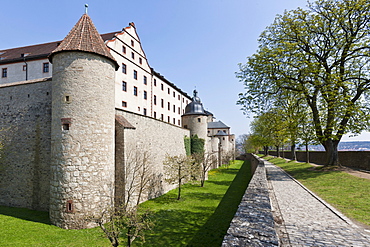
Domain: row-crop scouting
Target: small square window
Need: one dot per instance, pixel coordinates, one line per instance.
(135, 91)
(124, 86)
(135, 74)
(4, 72)
(45, 67)
(66, 123)
(124, 104)
(199, 120)
(124, 69)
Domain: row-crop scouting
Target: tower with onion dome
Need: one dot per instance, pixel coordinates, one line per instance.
(82, 128)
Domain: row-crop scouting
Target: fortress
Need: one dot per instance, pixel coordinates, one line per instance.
(75, 112)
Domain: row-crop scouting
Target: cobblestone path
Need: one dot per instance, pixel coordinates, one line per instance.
(303, 219)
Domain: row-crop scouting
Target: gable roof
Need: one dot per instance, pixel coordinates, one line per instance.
(217, 125)
(84, 37)
(38, 51)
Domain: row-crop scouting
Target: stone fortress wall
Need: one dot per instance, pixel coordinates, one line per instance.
(25, 120)
(25, 124)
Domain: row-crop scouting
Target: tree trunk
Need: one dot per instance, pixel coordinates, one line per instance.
(277, 151)
(266, 150)
(292, 150)
(307, 154)
(331, 148)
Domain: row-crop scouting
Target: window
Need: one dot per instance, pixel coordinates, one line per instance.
(45, 67)
(145, 95)
(178, 97)
(135, 91)
(168, 119)
(135, 74)
(169, 91)
(155, 82)
(155, 99)
(145, 80)
(4, 72)
(174, 108)
(169, 106)
(162, 117)
(124, 104)
(132, 43)
(24, 67)
(178, 122)
(138, 108)
(178, 110)
(124, 86)
(199, 120)
(155, 114)
(66, 123)
(124, 70)
(140, 60)
(174, 94)
(144, 111)
(69, 206)
(162, 86)
(132, 55)
(124, 49)
(174, 121)
(162, 103)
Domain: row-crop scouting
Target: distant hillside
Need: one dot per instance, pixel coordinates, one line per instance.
(346, 146)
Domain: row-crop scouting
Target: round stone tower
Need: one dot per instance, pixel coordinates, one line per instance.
(82, 132)
(195, 118)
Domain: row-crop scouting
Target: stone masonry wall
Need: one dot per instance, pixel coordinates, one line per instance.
(156, 139)
(25, 116)
(253, 223)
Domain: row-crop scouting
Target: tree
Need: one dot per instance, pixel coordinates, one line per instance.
(321, 55)
(178, 169)
(124, 220)
(205, 161)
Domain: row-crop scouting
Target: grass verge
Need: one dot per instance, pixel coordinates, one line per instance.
(200, 218)
(347, 193)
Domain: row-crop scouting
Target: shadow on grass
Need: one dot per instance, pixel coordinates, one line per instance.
(26, 214)
(214, 230)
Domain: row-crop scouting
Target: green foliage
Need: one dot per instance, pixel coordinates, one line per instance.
(187, 143)
(197, 144)
(319, 55)
(349, 194)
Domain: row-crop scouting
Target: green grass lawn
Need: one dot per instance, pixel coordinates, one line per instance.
(347, 193)
(200, 218)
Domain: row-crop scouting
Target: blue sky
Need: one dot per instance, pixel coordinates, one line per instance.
(193, 43)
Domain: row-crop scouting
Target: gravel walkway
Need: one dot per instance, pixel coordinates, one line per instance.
(303, 219)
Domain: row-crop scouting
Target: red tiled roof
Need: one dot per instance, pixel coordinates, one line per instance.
(84, 37)
(36, 51)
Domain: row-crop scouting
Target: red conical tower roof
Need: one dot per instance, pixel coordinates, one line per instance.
(84, 37)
